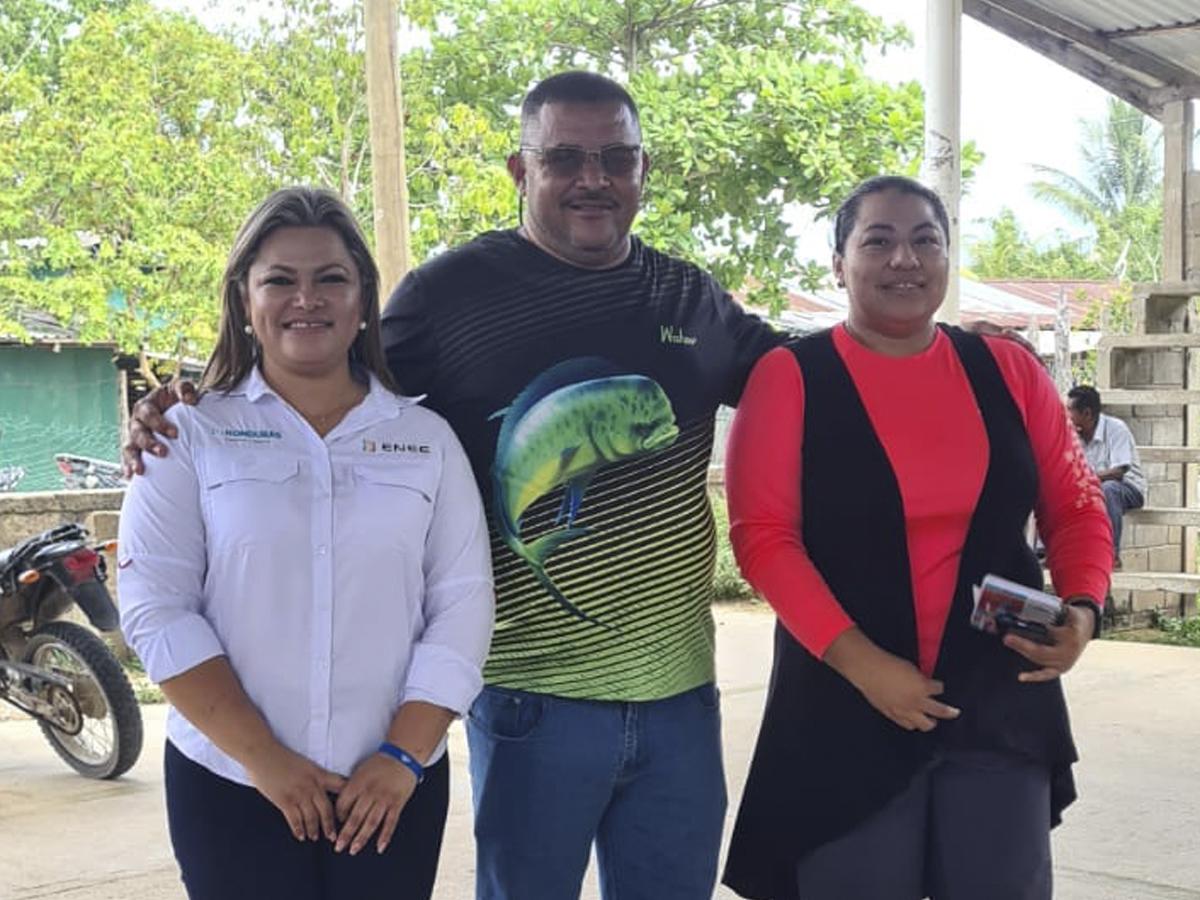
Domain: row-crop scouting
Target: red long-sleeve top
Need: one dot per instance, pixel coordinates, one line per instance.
(924, 412)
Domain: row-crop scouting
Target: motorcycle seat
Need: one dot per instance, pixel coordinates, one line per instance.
(28, 548)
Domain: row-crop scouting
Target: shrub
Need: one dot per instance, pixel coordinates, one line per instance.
(1184, 632)
(728, 583)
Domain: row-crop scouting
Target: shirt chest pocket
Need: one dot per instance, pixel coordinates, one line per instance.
(391, 505)
(253, 498)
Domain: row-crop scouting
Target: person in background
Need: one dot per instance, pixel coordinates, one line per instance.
(876, 472)
(1111, 452)
(307, 577)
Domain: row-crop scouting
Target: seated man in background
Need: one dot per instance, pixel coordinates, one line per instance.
(1110, 450)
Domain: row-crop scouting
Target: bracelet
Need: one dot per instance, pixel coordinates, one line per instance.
(405, 758)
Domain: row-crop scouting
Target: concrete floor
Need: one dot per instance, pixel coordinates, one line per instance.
(1134, 835)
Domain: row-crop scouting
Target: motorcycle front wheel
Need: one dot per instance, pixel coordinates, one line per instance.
(108, 738)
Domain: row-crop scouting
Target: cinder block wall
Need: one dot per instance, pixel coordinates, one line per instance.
(1153, 548)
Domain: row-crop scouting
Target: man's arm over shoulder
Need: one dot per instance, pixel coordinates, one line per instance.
(751, 338)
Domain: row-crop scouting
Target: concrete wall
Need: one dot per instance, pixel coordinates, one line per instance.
(23, 515)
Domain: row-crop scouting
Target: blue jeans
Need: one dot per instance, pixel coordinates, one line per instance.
(643, 780)
(1119, 497)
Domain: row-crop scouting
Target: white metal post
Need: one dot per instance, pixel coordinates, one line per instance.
(943, 93)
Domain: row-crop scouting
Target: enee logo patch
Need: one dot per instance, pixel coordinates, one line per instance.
(370, 446)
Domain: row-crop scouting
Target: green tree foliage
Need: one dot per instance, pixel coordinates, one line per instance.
(121, 187)
(34, 34)
(133, 140)
(1120, 194)
(310, 94)
(747, 106)
(1118, 198)
(1120, 164)
(1008, 252)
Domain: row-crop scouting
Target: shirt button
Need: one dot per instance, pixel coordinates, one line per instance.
(321, 548)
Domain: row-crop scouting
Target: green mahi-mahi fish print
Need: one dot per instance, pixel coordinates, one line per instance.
(567, 424)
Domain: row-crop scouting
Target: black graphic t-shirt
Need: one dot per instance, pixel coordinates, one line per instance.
(585, 400)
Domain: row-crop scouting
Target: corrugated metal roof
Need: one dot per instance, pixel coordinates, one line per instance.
(1082, 296)
(1166, 31)
(1124, 15)
(1011, 304)
(1179, 47)
(41, 326)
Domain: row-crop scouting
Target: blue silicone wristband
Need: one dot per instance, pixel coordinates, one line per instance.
(404, 758)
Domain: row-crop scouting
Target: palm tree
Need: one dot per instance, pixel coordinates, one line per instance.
(1119, 195)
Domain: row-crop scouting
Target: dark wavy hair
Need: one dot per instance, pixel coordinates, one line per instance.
(847, 213)
(292, 207)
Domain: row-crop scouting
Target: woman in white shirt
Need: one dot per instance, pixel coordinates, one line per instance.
(308, 579)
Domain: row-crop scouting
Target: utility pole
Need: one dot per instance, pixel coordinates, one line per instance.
(386, 113)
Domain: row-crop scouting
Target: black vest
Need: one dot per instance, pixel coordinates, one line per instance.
(825, 759)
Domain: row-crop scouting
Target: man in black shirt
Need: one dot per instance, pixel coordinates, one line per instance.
(582, 370)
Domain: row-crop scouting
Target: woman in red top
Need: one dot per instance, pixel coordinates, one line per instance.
(875, 473)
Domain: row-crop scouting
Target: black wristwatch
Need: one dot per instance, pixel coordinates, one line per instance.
(1089, 603)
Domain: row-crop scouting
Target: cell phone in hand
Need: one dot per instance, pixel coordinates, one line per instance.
(1007, 623)
(1003, 606)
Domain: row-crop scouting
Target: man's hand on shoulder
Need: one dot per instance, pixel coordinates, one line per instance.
(146, 420)
(990, 329)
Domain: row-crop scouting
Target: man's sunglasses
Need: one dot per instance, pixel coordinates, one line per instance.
(616, 160)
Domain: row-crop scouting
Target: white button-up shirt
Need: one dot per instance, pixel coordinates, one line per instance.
(342, 576)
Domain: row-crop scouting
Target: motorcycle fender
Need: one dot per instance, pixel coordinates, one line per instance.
(93, 598)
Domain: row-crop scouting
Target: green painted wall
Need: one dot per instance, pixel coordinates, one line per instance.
(64, 402)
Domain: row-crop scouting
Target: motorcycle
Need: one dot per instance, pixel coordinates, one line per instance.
(61, 673)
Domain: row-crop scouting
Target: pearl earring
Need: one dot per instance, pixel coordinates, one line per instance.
(362, 326)
(248, 329)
